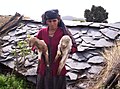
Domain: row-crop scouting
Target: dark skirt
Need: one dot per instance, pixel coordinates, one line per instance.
(51, 82)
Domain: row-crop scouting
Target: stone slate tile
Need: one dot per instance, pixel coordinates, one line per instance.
(31, 32)
(82, 85)
(97, 37)
(94, 52)
(7, 49)
(91, 48)
(98, 25)
(5, 44)
(17, 40)
(12, 39)
(95, 69)
(87, 55)
(94, 32)
(109, 33)
(21, 36)
(114, 29)
(96, 60)
(79, 65)
(10, 57)
(5, 54)
(84, 30)
(85, 24)
(95, 25)
(10, 64)
(74, 30)
(31, 57)
(32, 79)
(81, 48)
(84, 44)
(75, 55)
(82, 76)
(12, 33)
(31, 71)
(32, 25)
(78, 57)
(35, 29)
(114, 25)
(6, 38)
(27, 63)
(77, 35)
(68, 68)
(102, 43)
(73, 76)
(69, 60)
(35, 65)
(78, 40)
(20, 32)
(26, 27)
(87, 39)
(2, 56)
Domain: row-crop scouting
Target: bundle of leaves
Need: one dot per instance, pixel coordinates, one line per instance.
(11, 82)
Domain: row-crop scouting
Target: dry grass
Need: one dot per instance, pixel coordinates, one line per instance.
(112, 56)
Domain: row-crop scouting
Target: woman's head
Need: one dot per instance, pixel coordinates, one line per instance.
(51, 18)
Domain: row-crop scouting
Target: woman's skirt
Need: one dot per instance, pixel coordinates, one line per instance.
(51, 82)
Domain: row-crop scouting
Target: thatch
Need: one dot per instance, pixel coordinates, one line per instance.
(112, 56)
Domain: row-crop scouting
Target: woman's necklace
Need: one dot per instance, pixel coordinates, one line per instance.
(51, 33)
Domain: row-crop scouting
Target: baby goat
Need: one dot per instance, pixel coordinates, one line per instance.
(64, 49)
(41, 47)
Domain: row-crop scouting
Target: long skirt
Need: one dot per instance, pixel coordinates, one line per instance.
(53, 82)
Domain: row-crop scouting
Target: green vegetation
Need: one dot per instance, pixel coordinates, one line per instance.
(21, 51)
(12, 82)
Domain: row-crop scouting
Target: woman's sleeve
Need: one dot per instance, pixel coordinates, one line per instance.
(73, 50)
(74, 46)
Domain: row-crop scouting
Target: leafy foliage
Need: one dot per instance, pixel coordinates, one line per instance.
(11, 82)
(96, 14)
(21, 51)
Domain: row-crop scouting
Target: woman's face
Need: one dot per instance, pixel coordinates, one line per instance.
(52, 23)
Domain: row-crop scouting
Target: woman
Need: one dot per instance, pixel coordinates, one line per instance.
(47, 77)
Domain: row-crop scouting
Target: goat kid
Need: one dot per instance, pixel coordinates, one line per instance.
(41, 48)
(64, 49)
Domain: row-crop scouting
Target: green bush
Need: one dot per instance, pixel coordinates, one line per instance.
(12, 82)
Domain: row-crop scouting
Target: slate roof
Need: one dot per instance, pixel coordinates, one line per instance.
(85, 64)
